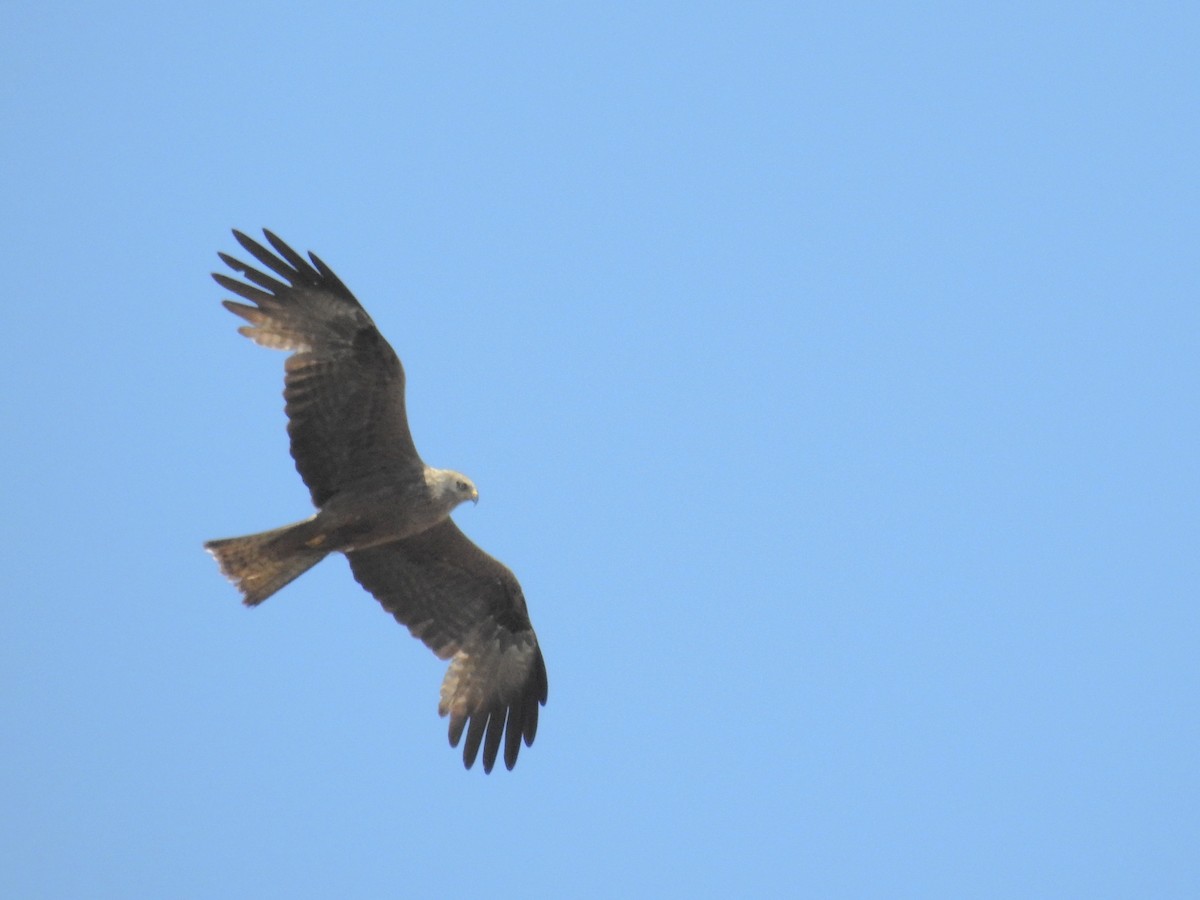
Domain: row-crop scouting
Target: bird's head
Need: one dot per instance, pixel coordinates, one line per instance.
(453, 487)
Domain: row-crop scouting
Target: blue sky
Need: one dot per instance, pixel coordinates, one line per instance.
(829, 375)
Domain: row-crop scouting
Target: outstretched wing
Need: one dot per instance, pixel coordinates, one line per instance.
(466, 607)
(343, 384)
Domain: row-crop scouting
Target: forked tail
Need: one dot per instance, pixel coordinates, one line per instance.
(260, 564)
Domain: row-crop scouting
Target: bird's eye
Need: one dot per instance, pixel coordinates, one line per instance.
(462, 485)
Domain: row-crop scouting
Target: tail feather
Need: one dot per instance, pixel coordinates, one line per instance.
(260, 564)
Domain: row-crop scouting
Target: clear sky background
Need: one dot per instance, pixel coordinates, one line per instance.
(829, 374)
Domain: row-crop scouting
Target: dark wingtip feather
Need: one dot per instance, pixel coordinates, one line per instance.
(241, 289)
(543, 681)
(512, 737)
(457, 723)
(321, 267)
(249, 244)
(531, 723)
(236, 264)
(535, 699)
(265, 256)
(298, 262)
(329, 275)
(474, 737)
(495, 731)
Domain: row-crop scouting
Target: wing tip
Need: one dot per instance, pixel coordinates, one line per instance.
(490, 729)
(507, 720)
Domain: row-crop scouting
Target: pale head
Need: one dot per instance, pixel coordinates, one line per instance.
(450, 488)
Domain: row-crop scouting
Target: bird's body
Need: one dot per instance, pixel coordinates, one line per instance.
(381, 511)
(380, 504)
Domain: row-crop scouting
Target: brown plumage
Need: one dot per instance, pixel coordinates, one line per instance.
(379, 504)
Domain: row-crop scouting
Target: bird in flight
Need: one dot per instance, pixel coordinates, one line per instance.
(379, 503)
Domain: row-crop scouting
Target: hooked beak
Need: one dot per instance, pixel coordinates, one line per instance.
(475, 496)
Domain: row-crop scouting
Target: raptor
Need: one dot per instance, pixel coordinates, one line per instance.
(378, 502)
